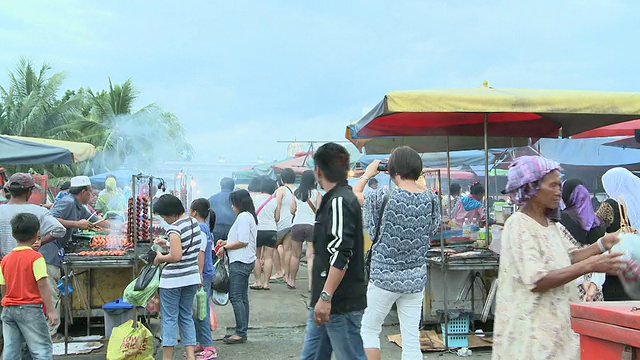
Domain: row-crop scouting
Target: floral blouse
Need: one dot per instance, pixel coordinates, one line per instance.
(533, 325)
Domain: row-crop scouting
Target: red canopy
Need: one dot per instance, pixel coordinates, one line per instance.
(622, 129)
(298, 164)
(455, 174)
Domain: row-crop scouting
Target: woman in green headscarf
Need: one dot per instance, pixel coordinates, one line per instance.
(112, 199)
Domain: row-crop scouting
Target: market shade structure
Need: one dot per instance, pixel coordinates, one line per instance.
(20, 152)
(626, 128)
(122, 176)
(80, 151)
(626, 143)
(509, 112)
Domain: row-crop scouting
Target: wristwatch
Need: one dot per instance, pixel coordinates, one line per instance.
(325, 296)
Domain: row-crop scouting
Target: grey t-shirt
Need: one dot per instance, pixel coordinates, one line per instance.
(67, 208)
(48, 223)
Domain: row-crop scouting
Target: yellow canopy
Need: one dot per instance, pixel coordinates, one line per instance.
(81, 151)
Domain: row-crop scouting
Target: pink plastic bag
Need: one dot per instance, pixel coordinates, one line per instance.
(213, 320)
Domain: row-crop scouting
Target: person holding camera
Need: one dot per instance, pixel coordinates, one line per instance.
(404, 219)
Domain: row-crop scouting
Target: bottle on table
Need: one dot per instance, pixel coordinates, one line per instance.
(466, 227)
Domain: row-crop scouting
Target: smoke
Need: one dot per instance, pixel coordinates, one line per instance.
(141, 141)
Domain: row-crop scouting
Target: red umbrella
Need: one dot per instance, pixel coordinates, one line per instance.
(298, 164)
(627, 128)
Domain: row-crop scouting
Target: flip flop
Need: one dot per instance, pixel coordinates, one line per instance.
(276, 279)
(256, 287)
(291, 287)
(266, 288)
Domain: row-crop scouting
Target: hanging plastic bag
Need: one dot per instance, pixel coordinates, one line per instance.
(630, 278)
(145, 277)
(200, 304)
(629, 245)
(127, 342)
(140, 298)
(213, 319)
(221, 278)
(219, 298)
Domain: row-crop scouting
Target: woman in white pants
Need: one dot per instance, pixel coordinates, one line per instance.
(398, 263)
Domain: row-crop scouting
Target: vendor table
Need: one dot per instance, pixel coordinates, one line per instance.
(87, 265)
(456, 284)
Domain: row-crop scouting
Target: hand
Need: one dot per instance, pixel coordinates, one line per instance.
(321, 312)
(52, 317)
(161, 242)
(220, 252)
(609, 240)
(84, 224)
(158, 259)
(221, 243)
(36, 245)
(372, 169)
(592, 290)
(610, 263)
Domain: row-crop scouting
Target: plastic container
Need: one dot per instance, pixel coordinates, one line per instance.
(116, 313)
(608, 330)
(459, 325)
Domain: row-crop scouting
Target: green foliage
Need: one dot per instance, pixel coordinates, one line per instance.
(30, 106)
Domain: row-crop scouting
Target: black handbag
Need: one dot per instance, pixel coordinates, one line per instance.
(146, 275)
(220, 281)
(367, 257)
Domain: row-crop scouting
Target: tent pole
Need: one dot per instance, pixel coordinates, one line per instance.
(486, 174)
(448, 177)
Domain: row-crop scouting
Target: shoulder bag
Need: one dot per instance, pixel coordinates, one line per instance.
(263, 205)
(367, 258)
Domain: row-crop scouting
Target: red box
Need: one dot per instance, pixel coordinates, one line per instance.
(607, 329)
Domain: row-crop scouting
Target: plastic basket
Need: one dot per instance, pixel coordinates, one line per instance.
(459, 325)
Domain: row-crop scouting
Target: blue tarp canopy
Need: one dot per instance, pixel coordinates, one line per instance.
(21, 152)
(588, 152)
(439, 160)
(123, 177)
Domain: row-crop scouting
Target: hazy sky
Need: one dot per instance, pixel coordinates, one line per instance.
(241, 75)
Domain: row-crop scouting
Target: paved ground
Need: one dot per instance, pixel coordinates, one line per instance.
(276, 332)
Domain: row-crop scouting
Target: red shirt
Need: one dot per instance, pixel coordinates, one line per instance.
(20, 271)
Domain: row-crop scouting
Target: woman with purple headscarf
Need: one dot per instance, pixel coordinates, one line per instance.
(580, 219)
(539, 262)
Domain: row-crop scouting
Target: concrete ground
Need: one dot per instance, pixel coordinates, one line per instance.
(277, 325)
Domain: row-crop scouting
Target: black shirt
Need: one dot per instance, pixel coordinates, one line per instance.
(338, 241)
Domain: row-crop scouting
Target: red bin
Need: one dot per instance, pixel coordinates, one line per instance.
(608, 330)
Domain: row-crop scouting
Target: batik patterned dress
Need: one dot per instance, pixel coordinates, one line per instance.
(533, 325)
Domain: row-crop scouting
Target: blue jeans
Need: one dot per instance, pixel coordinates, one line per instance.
(239, 294)
(176, 308)
(341, 335)
(26, 324)
(203, 328)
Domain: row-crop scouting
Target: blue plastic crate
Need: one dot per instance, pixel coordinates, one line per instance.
(459, 325)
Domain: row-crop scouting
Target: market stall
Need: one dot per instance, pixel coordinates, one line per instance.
(458, 119)
(99, 264)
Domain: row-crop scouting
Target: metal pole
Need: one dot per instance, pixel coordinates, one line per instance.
(449, 177)
(486, 174)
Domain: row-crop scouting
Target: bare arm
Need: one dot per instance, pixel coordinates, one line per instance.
(293, 207)
(201, 261)
(45, 293)
(235, 245)
(279, 198)
(358, 189)
(556, 278)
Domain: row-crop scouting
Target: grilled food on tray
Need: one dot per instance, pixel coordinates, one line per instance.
(102, 253)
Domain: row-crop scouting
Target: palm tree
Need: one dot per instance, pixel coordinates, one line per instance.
(29, 107)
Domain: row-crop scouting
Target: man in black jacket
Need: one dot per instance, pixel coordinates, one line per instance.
(338, 293)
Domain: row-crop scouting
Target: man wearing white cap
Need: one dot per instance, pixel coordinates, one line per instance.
(73, 215)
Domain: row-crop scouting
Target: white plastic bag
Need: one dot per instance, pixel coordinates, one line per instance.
(630, 278)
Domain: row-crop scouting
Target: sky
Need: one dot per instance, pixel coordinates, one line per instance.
(243, 75)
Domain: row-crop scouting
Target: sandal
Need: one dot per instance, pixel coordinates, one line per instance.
(235, 339)
(291, 287)
(276, 279)
(207, 353)
(256, 287)
(266, 288)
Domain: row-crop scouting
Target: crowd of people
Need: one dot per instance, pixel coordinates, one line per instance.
(546, 260)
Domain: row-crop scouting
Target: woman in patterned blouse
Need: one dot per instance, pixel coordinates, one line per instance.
(399, 257)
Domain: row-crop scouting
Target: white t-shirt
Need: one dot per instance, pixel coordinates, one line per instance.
(266, 216)
(244, 229)
(285, 210)
(304, 213)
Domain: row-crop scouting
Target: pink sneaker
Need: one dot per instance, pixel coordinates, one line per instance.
(207, 353)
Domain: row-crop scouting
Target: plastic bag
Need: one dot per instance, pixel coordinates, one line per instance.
(200, 304)
(213, 319)
(221, 278)
(630, 278)
(140, 298)
(219, 298)
(145, 277)
(127, 342)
